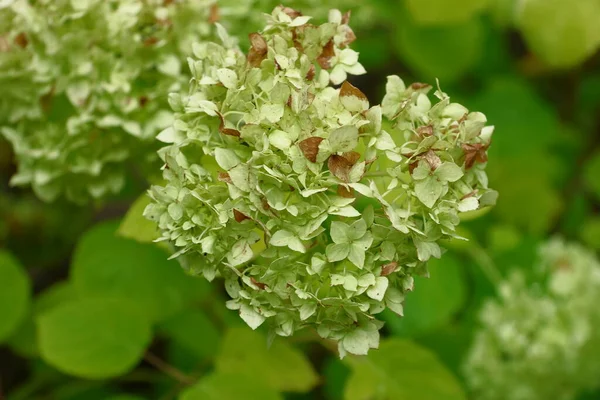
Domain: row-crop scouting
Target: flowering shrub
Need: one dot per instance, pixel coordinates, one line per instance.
(85, 85)
(292, 190)
(535, 340)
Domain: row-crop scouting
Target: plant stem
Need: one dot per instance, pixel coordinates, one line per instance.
(485, 262)
(376, 174)
(168, 369)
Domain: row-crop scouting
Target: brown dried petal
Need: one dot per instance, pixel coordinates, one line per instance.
(224, 177)
(346, 17)
(143, 100)
(339, 167)
(239, 216)
(432, 159)
(425, 131)
(227, 131)
(310, 75)
(21, 40)
(419, 86)
(260, 285)
(350, 37)
(152, 40)
(259, 44)
(230, 132)
(214, 14)
(352, 98)
(346, 192)
(326, 55)
(352, 157)
(387, 269)
(291, 12)
(258, 49)
(475, 153)
(412, 166)
(310, 147)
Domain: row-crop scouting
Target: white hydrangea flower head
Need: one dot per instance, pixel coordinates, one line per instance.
(291, 190)
(84, 85)
(538, 341)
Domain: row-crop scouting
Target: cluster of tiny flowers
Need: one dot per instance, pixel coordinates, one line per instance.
(540, 341)
(84, 86)
(291, 190)
(84, 82)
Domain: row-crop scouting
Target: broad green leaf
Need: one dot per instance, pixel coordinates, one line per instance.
(335, 376)
(441, 12)
(224, 386)
(401, 370)
(562, 33)
(522, 147)
(105, 265)
(592, 175)
(93, 338)
(14, 294)
(434, 301)
(24, 339)
(135, 226)
(447, 53)
(125, 397)
(193, 331)
(280, 367)
(590, 232)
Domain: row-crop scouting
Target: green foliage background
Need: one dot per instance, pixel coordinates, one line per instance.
(88, 310)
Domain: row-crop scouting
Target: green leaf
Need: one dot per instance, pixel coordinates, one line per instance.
(562, 33)
(93, 338)
(441, 12)
(429, 190)
(193, 331)
(280, 367)
(220, 386)
(24, 339)
(447, 53)
(401, 370)
(135, 226)
(523, 147)
(14, 294)
(592, 175)
(434, 301)
(590, 232)
(105, 265)
(344, 139)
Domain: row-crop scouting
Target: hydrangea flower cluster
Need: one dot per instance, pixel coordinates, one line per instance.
(84, 86)
(539, 341)
(292, 191)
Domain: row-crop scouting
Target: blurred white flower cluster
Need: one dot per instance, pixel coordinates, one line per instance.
(537, 341)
